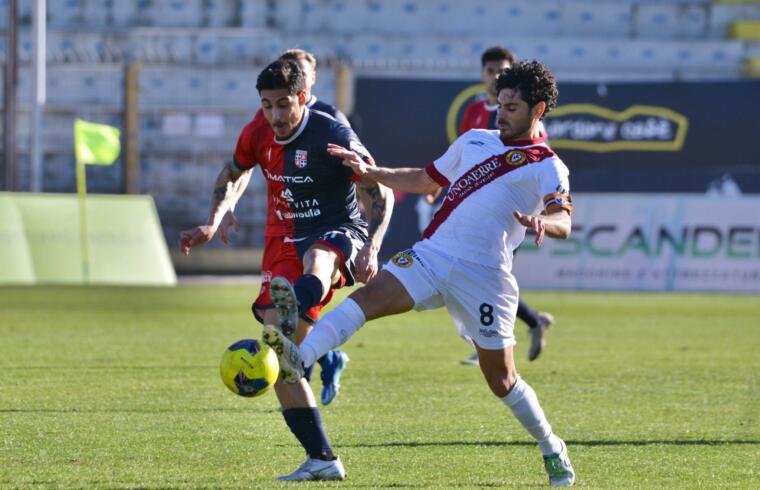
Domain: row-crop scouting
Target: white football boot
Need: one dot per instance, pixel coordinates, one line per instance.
(291, 364)
(559, 468)
(317, 469)
(285, 302)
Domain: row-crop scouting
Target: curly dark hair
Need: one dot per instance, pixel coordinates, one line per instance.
(533, 80)
(282, 74)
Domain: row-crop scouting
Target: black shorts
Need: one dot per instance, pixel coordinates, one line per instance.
(344, 241)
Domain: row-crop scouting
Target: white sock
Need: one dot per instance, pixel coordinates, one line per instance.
(523, 402)
(334, 329)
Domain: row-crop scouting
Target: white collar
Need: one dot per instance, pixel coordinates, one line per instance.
(298, 131)
(312, 101)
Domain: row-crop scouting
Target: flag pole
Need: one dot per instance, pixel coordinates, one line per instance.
(83, 235)
(96, 144)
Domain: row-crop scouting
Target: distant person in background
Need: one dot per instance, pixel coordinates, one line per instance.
(308, 64)
(724, 186)
(481, 114)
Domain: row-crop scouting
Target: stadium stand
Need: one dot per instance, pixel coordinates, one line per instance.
(190, 113)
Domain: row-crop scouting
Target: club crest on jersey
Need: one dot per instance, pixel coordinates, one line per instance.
(515, 157)
(301, 158)
(402, 260)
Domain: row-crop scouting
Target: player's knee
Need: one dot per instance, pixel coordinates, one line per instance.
(258, 314)
(500, 379)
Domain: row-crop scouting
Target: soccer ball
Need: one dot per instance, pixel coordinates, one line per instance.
(248, 368)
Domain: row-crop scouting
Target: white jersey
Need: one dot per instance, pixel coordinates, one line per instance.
(488, 181)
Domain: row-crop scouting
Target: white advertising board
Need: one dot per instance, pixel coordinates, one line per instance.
(654, 242)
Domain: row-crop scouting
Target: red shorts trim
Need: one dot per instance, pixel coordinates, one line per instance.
(281, 259)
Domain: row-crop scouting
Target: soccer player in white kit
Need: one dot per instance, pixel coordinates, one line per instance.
(501, 182)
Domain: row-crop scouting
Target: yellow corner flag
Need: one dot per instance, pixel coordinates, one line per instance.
(96, 144)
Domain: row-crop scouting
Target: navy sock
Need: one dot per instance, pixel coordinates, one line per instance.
(324, 359)
(309, 290)
(308, 372)
(527, 314)
(306, 425)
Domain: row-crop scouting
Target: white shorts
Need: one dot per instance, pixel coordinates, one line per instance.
(481, 300)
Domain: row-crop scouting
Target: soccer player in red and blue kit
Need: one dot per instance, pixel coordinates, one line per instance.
(481, 114)
(315, 235)
(332, 363)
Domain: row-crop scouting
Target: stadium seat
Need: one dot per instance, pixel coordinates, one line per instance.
(97, 13)
(223, 13)
(234, 87)
(670, 21)
(96, 84)
(723, 15)
(166, 85)
(176, 13)
(65, 13)
(235, 46)
(596, 19)
(158, 46)
(255, 13)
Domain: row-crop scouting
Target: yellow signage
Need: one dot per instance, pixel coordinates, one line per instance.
(594, 128)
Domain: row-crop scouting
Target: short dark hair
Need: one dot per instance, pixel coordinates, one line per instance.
(282, 74)
(497, 53)
(296, 54)
(533, 80)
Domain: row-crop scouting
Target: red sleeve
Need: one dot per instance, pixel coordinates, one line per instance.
(252, 137)
(466, 123)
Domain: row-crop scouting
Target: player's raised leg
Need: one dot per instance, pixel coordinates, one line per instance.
(321, 270)
(498, 368)
(384, 296)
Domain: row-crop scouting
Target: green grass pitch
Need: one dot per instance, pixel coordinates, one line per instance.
(119, 388)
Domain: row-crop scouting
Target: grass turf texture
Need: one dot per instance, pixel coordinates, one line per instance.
(119, 387)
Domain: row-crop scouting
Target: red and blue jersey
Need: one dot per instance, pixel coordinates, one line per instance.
(317, 105)
(479, 115)
(308, 190)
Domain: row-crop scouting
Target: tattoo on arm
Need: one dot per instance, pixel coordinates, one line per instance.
(377, 207)
(227, 183)
(220, 193)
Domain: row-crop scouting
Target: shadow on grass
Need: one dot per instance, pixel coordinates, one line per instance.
(591, 443)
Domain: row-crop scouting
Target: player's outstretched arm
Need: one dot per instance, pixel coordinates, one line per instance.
(378, 204)
(555, 224)
(412, 180)
(229, 187)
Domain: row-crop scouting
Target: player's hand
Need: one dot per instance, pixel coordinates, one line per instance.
(195, 237)
(430, 198)
(228, 224)
(350, 158)
(366, 263)
(535, 223)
